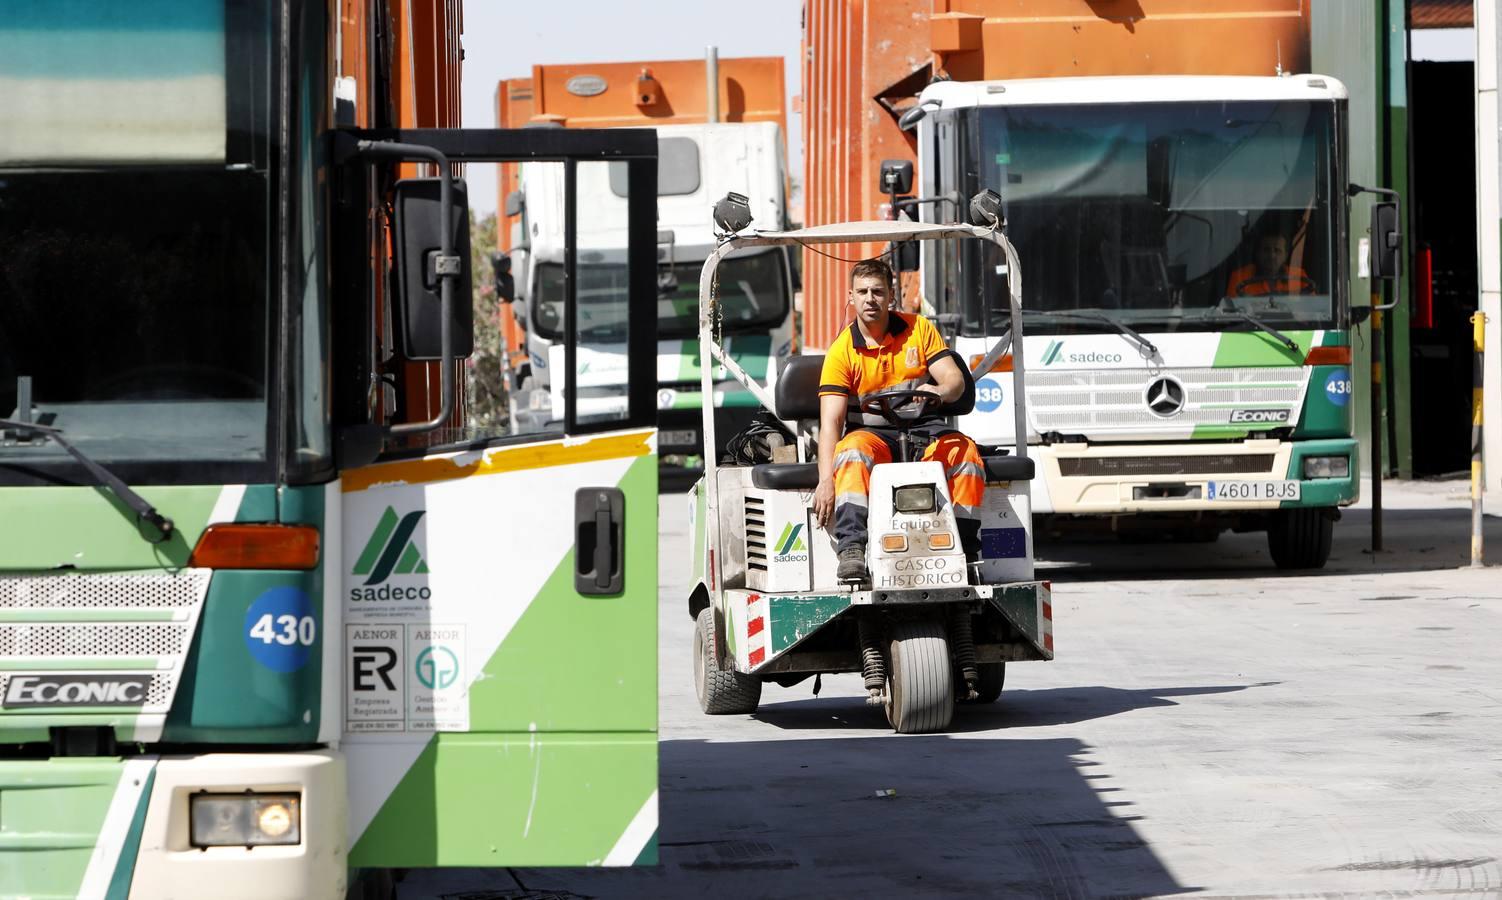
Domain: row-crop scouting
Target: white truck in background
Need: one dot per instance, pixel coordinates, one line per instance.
(698, 165)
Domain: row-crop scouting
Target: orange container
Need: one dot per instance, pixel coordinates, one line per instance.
(865, 62)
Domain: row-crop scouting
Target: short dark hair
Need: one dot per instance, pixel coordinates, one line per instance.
(872, 268)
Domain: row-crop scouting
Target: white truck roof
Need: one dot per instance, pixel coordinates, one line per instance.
(1132, 89)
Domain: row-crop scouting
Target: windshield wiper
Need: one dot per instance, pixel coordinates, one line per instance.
(1245, 316)
(1145, 346)
(143, 509)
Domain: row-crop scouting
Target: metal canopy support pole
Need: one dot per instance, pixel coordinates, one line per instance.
(1379, 464)
(1478, 470)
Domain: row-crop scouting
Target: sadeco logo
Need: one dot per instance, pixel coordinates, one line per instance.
(790, 546)
(1055, 353)
(1051, 355)
(390, 551)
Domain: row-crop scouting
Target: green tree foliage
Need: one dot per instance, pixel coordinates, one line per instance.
(485, 381)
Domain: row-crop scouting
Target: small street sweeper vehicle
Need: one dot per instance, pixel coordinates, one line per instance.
(930, 628)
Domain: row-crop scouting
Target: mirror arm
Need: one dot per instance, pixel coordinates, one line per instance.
(448, 267)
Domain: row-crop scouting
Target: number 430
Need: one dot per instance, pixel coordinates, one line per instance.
(285, 629)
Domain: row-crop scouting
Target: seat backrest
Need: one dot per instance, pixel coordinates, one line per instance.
(966, 403)
(798, 388)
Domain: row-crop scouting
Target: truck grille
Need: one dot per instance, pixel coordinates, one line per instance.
(1131, 466)
(93, 640)
(102, 591)
(1104, 400)
(73, 622)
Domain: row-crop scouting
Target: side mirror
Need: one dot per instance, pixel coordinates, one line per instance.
(1387, 240)
(515, 203)
(896, 176)
(505, 283)
(1360, 314)
(419, 302)
(905, 256)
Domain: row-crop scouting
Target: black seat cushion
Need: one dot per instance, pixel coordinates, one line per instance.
(798, 388)
(786, 476)
(1008, 468)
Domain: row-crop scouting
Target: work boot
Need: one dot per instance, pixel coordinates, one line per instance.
(852, 564)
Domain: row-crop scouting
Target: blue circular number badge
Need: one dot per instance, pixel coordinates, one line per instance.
(280, 629)
(987, 395)
(1338, 387)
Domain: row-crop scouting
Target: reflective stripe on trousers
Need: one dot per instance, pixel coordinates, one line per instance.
(858, 451)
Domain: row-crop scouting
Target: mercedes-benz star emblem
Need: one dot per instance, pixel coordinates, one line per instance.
(1165, 397)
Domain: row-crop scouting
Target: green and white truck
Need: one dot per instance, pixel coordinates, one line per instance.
(1174, 388)
(698, 164)
(263, 632)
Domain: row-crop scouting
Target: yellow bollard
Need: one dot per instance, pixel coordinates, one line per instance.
(1478, 339)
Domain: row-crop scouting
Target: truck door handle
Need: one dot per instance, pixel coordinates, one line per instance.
(599, 541)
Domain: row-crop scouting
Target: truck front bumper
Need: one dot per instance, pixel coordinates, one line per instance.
(1081, 479)
(168, 865)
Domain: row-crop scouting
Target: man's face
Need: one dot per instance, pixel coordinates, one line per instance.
(1272, 254)
(868, 294)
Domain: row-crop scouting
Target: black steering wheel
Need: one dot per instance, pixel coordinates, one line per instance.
(901, 407)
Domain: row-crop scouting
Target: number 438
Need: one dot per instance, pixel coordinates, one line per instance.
(285, 629)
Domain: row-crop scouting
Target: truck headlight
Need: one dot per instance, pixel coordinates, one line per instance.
(245, 820)
(918, 498)
(1327, 466)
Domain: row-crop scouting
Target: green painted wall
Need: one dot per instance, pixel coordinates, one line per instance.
(1363, 43)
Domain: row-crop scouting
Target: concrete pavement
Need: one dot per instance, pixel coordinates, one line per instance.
(1210, 726)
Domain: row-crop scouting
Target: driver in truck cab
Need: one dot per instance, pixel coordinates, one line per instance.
(1270, 273)
(884, 350)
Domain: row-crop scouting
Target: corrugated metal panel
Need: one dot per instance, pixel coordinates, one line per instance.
(1442, 14)
(856, 53)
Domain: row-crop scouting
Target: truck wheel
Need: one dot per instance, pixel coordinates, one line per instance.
(920, 686)
(988, 688)
(722, 692)
(1300, 538)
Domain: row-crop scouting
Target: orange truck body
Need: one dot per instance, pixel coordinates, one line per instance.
(425, 67)
(865, 62)
(639, 94)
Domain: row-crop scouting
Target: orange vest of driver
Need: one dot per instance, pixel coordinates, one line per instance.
(1245, 282)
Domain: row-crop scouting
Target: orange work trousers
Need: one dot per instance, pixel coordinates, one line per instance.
(859, 450)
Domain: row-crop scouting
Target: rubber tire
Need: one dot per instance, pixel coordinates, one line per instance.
(920, 683)
(721, 692)
(1300, 538)
(988, 688)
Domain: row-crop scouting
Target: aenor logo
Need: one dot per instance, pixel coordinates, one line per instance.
(1254, 416)
(75, 690)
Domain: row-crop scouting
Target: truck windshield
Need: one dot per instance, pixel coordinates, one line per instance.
(134, 276)
(753, 289)
(1165, 216)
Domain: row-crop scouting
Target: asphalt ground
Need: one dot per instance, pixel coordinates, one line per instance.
(1210, 726)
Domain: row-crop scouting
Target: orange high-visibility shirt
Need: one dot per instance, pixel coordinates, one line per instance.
(853, 368)
(1244, 282)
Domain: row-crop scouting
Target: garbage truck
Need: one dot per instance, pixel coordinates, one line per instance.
(733, 139)
(1175, 178)
(270, 623)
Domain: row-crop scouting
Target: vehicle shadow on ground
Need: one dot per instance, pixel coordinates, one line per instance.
(1014, 709)
(1414, 540)
(804, 818)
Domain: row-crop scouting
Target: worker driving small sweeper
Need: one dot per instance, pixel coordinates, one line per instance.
(884, 350)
